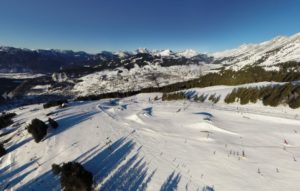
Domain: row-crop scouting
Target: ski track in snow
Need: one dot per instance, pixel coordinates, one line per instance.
(137, 143)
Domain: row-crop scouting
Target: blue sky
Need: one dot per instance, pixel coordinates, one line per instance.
(96, 25)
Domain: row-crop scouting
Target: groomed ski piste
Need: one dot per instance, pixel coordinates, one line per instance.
(139, 143)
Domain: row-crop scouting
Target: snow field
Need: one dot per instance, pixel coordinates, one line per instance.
(137, 143)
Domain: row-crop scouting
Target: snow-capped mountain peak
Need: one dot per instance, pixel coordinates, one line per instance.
(277, 50)
(143, 50)
(123, 54)
(164, 53)
(188, 53)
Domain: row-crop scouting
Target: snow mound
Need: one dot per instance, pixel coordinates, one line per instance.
(135, 118)
(207, 127)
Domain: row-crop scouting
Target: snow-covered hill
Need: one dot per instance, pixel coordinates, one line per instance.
(139, 143)
(137, 78)
(269, 53)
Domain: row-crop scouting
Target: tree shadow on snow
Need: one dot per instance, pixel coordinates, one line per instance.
(110, 169)
(189, 94)
(11, 178)
(171, 183)
(47, 181)
(130, 176)
(67, 122)
(19, 144)
(114, 167)
(111, 165)
(3, 170)
(7, 130)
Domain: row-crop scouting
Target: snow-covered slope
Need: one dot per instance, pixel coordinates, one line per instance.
(278, 50)
(137, 143)
(189, 53)
(152, 75)
(164, 53)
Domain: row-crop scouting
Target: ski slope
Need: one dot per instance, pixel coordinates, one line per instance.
(137, 143)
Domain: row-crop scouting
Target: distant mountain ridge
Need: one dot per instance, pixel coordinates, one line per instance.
(47, 61)
(25, 60)
(266, 54)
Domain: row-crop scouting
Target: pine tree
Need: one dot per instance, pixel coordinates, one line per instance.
(53, 123)
(2, 150)
(38, 129)
(73, 177)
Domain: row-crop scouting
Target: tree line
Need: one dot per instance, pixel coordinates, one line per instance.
(286, 94)
(287, 72)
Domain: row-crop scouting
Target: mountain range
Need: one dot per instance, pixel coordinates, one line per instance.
(44, 61)
(68, 73)
(267, 54)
